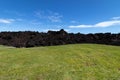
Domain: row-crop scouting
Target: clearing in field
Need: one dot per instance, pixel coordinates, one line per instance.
(67, 62)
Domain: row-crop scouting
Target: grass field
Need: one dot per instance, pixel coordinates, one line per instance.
(67, 62)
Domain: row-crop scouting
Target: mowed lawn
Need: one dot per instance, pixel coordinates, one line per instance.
(66, 62)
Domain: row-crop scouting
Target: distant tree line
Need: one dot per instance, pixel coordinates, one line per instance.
(32, 39)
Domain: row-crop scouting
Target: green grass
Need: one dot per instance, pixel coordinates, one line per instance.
(67, 62)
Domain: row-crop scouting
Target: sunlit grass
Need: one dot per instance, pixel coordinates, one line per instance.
(68, 62)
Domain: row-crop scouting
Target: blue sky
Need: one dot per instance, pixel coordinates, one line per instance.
(84, 16)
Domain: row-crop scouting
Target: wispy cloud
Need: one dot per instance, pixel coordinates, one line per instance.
(6, 21)
(19, 19)
(100, 24)
(73, 21)
(49, 15)
(116, 18)
(40, 14)
(12, 12)
(55, 18)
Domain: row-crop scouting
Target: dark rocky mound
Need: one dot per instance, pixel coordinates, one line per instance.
(32, 39)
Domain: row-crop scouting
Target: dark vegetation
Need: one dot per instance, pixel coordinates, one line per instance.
(32, 39)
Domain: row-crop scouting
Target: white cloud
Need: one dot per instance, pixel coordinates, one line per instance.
(40, 14)
(19, 19)
(116, 18)
(100, 24)
(12, 12)
(108, 23)
(55, 18)
(81, 26)
(73, 22)
(49, 15)
(6, 21)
